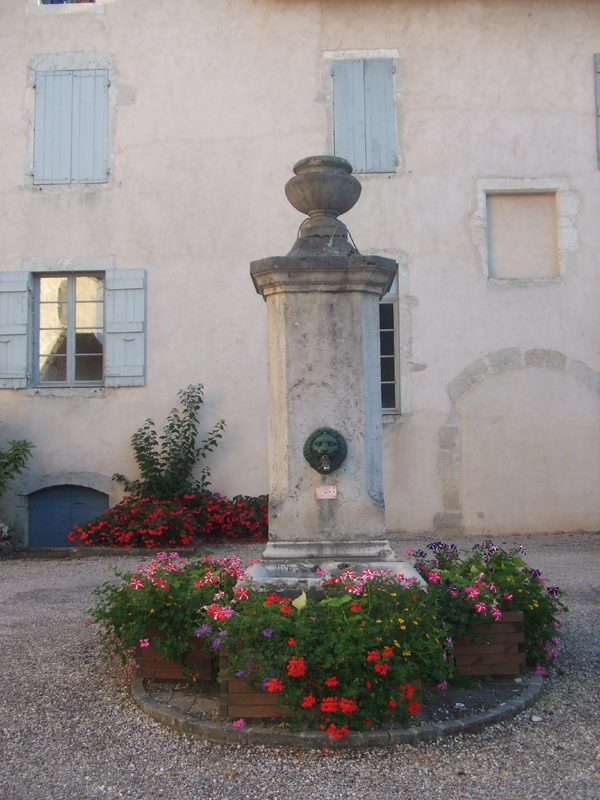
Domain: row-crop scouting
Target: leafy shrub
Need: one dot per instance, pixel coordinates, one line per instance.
(344, 661)
(174, 522)
(479, 585)
(166, 462)
(13, 461)
(168, 594)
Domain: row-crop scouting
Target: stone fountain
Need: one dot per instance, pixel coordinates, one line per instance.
(326, 507)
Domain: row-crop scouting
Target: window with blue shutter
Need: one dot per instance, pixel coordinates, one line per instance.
(70, 139)
(597, 65)
(14, 318)
(363, 113)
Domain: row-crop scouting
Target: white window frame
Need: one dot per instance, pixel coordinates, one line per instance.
(70, 381)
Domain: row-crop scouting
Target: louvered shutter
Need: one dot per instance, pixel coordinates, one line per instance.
(363, 114)
(89, 163)
(52, 127)
(14, 318)
(597, 64)
(125, 327)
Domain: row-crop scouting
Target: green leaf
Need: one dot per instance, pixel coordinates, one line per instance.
(300, 602)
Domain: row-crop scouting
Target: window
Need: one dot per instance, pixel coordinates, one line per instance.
(363, 113)
(72, 329)
(70, 139)
(389, 350)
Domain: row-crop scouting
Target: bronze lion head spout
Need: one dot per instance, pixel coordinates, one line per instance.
(325, 450)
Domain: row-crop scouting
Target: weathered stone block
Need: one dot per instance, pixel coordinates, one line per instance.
(503, 360)
(549, 359)
(585, 374)
(468, 378)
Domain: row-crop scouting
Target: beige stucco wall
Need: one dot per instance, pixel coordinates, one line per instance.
(212, 103)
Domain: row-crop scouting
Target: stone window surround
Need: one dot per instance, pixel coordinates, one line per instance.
(325, 96)
(567, 205)
(41, 266)
(72, 61)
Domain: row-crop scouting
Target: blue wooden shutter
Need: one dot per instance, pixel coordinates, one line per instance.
(597, 63)
(363, 114)
(124, 327)
(379, 115)
(89, 163)
(14, 319)
(349, 112)
(52, 127)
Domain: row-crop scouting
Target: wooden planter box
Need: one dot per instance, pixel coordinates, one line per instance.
(240, 700)
(493, 649)
(150, 661)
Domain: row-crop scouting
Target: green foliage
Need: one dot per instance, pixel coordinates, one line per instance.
(343, 661)
(479, 585)
(169, 595)
(13, 461)
(166, 462)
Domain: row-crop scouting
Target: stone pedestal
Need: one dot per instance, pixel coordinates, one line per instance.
(323, 348)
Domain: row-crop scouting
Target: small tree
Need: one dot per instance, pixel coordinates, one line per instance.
(166, 462)
(13, 461)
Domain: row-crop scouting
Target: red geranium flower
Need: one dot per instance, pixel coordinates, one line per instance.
(356, 607)
(373, 655)
(286, 609)
(408, 690)
(291, 641)
(388, 652)
(414, 707)
(383, 669)
(348, 706)
(333, 681)
(274, 685)
(296, 667)
(392, 703)
(329, 704)
(308, 701)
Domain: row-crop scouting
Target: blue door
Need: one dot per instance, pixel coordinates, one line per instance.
(54, 512)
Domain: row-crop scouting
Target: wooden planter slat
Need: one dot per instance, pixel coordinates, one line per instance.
(493, 649)
(150, 661)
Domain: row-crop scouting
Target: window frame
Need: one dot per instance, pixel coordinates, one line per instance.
(70, 381)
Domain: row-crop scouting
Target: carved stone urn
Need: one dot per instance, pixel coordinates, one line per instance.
(323, 188)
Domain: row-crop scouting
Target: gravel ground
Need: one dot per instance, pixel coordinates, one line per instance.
(69, 729)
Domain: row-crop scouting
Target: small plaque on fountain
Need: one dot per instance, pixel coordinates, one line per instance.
(327, 492)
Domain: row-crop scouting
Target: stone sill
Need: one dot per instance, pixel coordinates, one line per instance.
(393, 418)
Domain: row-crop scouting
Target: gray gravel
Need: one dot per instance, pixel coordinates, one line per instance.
(69, 729)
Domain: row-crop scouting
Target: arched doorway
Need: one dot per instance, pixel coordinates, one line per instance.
(54, 512)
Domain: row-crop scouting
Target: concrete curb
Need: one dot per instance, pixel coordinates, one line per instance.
(384, 737)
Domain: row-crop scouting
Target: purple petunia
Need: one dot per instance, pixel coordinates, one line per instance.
(267, 633)
(203, 629)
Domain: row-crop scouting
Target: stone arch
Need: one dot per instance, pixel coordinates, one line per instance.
(33, 482)
(449, 462)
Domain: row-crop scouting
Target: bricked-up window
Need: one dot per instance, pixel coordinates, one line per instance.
(388, 352)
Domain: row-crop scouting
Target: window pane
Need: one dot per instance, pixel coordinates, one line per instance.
(88, 342)
(388, 395)
(88, 368)
(387, 343)
(89, 315)
(388, 373)
(386, 315)
(52, 315)
(53, 368)
(89, 287)
(52, 342)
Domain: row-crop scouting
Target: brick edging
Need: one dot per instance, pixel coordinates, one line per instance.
(384, 737)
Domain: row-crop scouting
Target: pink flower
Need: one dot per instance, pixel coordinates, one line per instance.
(480, 607)
(539, 670)
(136, 583)
(144, 643)
(507, 596)
(161, 583)
(241, 593)
(435, 577)
(496, 613)
(239, 723)
(472, 592)
(443, 685)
